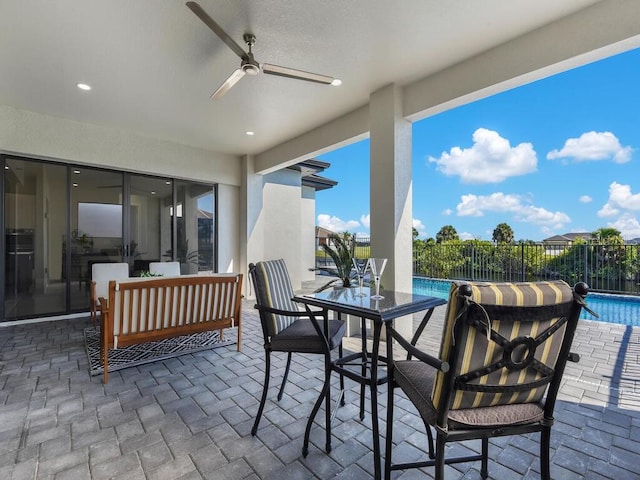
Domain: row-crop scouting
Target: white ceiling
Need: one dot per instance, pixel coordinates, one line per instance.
(153, 64)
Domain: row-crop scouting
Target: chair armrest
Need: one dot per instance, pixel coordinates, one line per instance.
(573, 357)
(287, 313)
(419, 354)
(104, 306)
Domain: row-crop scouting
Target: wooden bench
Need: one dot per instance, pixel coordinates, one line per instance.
(140, 310)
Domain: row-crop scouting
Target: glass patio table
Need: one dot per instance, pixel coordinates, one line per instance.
(393, 306)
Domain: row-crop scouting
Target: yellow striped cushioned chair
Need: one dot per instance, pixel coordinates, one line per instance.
(503, 352)
(285, 326)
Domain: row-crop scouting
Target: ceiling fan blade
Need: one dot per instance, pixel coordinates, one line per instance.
(217, 29)
(228, 83)
(294, 73)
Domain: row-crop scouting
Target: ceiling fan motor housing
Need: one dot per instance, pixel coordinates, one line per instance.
(250, 66)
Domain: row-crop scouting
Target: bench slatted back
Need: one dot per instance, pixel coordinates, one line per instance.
(155, 308)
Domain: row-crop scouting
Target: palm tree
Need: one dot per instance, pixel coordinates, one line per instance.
(503, 233)
(447, 234)
(340, 248)
(607, 235)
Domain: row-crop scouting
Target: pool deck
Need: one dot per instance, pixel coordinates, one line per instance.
(190, 417)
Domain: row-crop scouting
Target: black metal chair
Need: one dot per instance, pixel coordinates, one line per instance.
(503, 353)
(287, 328)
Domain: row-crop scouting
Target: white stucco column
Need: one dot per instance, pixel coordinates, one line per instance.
(391, 191)
(251, 229)
(229, 232)
(308, 234)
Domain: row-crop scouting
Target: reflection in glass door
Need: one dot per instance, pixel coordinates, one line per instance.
(96, 228)
(150, 201)
(35, 222)
(195, 213)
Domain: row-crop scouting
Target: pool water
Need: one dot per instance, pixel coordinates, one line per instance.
(622, 309)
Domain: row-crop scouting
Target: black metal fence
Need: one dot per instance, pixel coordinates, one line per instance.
(611, 268)
(605, 268)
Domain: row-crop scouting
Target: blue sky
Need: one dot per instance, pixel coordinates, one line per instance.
(558, 155)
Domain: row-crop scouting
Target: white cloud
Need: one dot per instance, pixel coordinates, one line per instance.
(366, 220)
(541, 216)
(608, 211)
(627, 225)
(466, 236)
(491, 159)
(420, 227)
(336, 224)
(593, 146)
(447, 212)
(620, 198)
(477, 206)
(585, 199)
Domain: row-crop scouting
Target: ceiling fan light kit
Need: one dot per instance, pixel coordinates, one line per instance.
(248, 64)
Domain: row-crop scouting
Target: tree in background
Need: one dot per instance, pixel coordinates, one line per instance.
(607, 235)
(447, 234)
(609, 258)
(503, 233)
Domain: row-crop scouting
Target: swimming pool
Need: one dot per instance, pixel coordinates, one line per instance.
(622, 309)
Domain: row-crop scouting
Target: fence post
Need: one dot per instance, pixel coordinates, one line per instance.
(473, 263)
(522, 266)
(586, 267)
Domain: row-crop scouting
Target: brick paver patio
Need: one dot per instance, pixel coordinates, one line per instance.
(190, 417)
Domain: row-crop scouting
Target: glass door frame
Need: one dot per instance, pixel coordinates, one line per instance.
(67, 179)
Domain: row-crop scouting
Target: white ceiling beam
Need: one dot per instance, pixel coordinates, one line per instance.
(347, 129)
(602, 30)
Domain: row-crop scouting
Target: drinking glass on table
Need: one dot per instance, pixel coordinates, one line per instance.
(361, 269)
(377, 268)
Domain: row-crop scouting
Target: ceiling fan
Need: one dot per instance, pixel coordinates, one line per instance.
(248, 64)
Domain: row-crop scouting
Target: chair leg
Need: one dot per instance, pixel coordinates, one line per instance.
(284, 378)
(314, 411)
(389, 436)
(342, 402)
(432, 451)
(484, 469)
(439, 461)
(364, 359)
(545, 443)
(327, 402)
(267, 374)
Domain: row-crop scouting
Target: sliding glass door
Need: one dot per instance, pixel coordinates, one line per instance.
(150, 222)
(59, 220)
(195, 227)
(34, 220)
(96, 231)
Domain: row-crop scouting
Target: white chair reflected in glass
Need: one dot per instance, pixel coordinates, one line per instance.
(377, 269)
(361, 269)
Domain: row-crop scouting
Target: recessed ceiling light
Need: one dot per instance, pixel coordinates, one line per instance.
(83, 86)
(75, 184)
(6, 167)
(168, 182)
(250, 133)
(336, 82)
(77, 172)
(153, 193)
